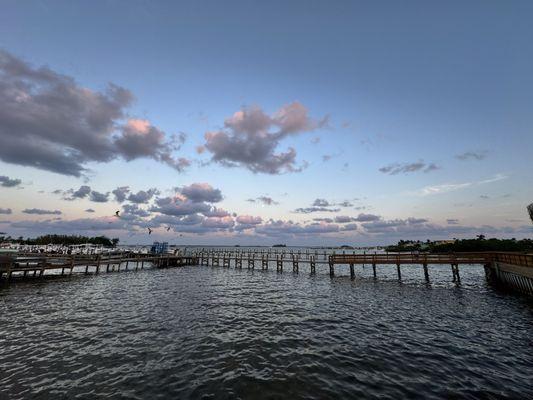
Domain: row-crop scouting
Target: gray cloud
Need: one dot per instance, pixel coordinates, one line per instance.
(201, 192)
(140, 139)
(349, 227)
(121, 193)
(5, 181)
(98, 197)
(250, 139)
(39, 211)
(142, 196)
(288, 228)
(345, 203)
(328, 220)
(309, 210)
(268, 201)
(320, 203)
(472, 155)
(343, 219)
(217, 212)
(49, 122)
(452, 221)
(6, 211)
(135, 210)
(81, 193)
(405, 168)
(178, 207)
(367, 217)
(249, 220)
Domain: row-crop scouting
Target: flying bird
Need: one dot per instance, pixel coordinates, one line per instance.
(117, 213)
(149, 231)
(168, 228)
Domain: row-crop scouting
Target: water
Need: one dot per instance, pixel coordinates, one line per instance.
(210, 332)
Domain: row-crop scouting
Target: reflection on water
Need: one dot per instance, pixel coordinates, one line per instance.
(225, 333)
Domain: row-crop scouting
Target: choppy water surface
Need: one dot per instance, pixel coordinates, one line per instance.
(223, 333)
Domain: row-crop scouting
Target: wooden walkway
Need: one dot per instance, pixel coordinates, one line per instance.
(513, 269)
(264, 259)
(38, 264)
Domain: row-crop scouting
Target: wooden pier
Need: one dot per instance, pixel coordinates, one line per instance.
(512, 270)
(36, 265)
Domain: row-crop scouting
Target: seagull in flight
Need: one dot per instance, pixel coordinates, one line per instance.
(168, 228)
(149, 231)
(117, 213)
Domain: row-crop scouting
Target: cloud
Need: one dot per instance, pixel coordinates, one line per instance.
(121, 193)
(142, 196)
(288, 228)
(328, 157)
(309, 210)
(250, 139)
(201, 192)
(405, 168)
(420, 228)
(343, 219)
(72, 194)
(345, 203)
(217, 212)
(329, 220)
(367, 217)
(135, 210)
(48, 121)
(6, 211)
(71, 226)
(472, 155)
(450, 187)
(320, 203)
(265, 200)
(5, 181)
(179, 207)
(140, 139)
(98, 197)
(249, 220)
(39, 211)
(452, 221)
(349, 227)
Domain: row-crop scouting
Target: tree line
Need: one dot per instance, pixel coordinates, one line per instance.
(65, 240)
(480, 243)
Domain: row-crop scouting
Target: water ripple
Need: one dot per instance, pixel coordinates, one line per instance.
(203, 332)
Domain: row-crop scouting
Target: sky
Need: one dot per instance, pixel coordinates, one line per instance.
(256, 123)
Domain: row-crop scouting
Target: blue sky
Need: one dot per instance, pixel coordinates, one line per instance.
(417, 114)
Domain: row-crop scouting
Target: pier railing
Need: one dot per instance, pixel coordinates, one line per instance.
(523, 260)
(411, 258)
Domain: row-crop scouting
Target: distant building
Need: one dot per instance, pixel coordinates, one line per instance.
(448, 241)
(159, 247)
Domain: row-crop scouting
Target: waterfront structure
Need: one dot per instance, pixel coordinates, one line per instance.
(512, 270)
(159, 248)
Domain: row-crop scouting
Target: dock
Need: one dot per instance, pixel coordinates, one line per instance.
(36, 265)
(512, 270)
